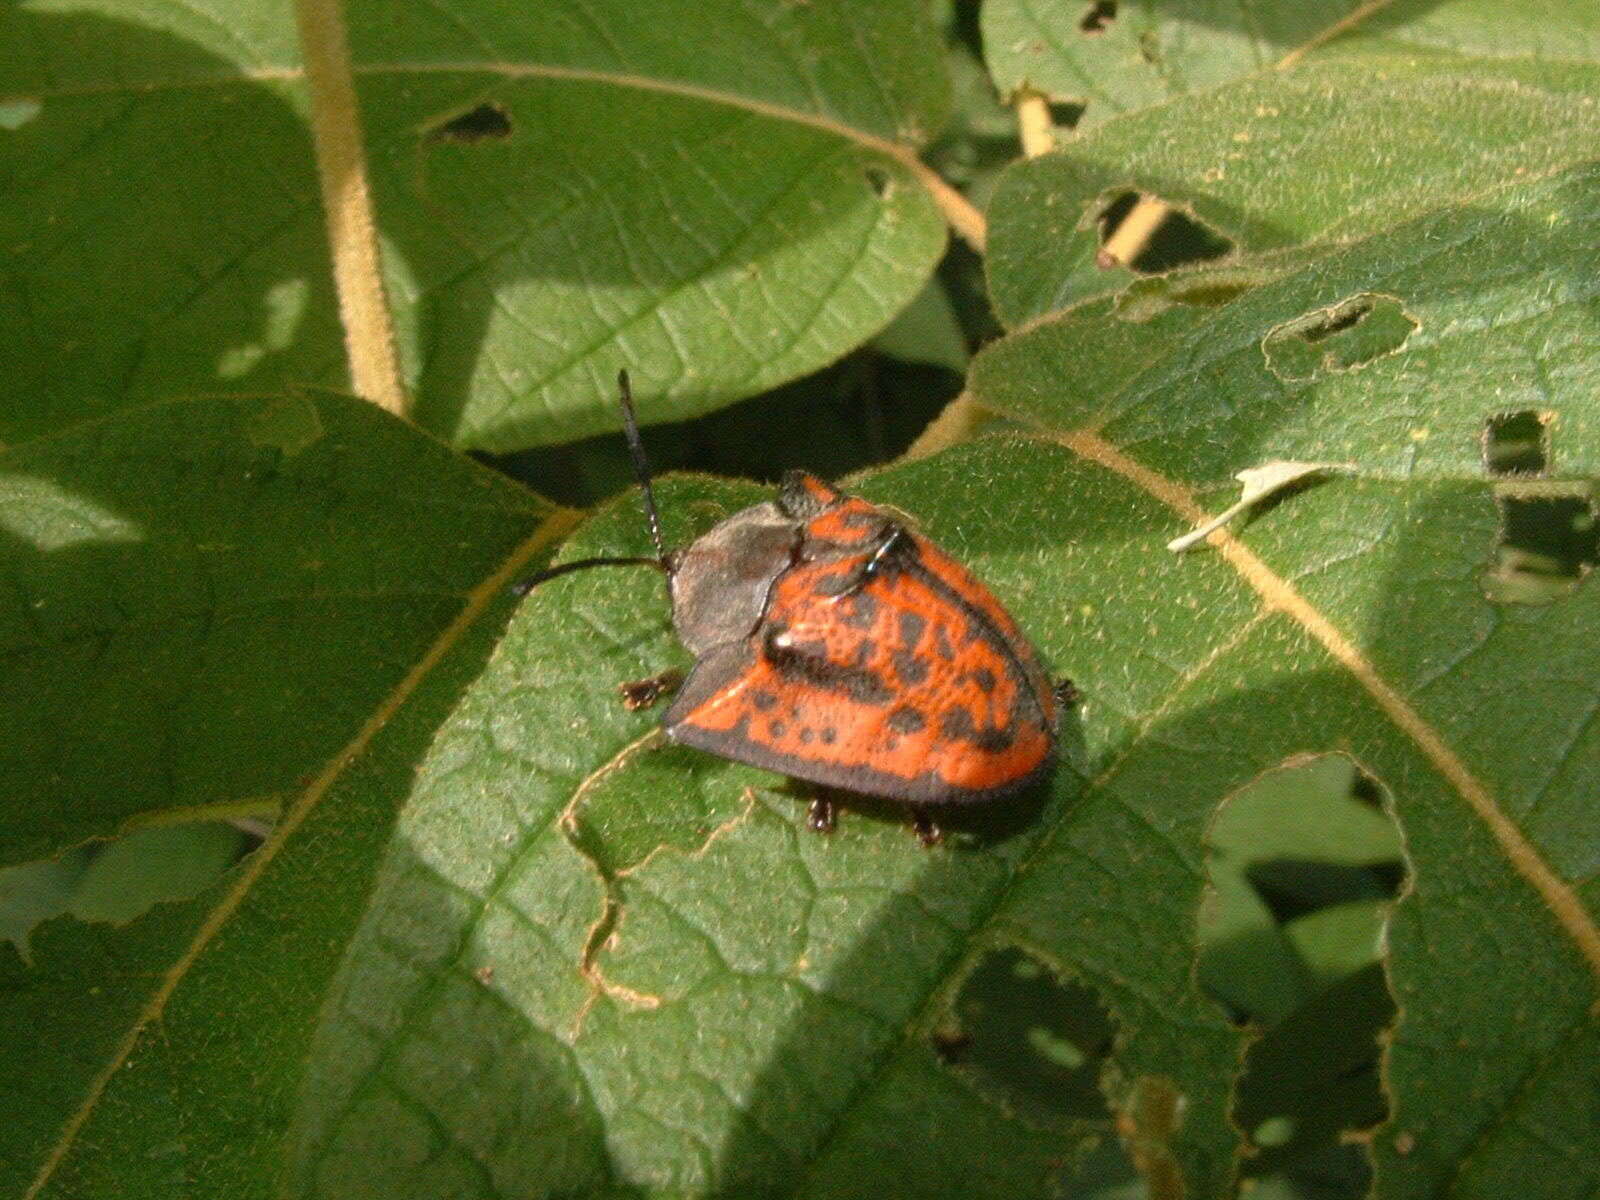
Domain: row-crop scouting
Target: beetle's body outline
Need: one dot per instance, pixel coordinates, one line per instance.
(835, 644)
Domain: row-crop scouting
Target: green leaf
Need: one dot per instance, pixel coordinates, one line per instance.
(1114, 57)
(1326, 152)
(562, 189)
(927, 332)
(541, 1000)
(1491, 285)
(205, 617)
(1475, 716)
(183, 586)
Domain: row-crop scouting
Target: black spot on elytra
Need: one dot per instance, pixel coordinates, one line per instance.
(777, 728)
(806, 736)
(984, 679)
(836, 583)
(858, 610)
(908, 668)
(911, 627)
(942, 646)
(764, 701)
(829, 736)
(957, 726)
(808, 663)
(908, 665)
(906, 720)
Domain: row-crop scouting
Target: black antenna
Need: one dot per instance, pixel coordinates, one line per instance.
(641, 465)
(641, 471)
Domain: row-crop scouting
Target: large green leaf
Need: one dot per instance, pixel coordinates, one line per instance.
(214, 605)
(562, 188)
(208, 597)
(595, 965)
(1389, 357)
(1386, 355)
(1113, 57)
(1329, 151)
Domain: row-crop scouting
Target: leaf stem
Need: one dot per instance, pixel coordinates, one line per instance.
(1035, 127)
(347, 203)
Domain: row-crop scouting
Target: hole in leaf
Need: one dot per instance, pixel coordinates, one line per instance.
(879, 181)
(1029, 1040)
(1303, 865)
(1341, 337)
(1549, 541)
(1099, 16)
(1149, 236)
(1202, 287)
(1315, 1076)
(1065, 114)
(488, 121)
(1516, 443)
(118, 881)
(1296, 887)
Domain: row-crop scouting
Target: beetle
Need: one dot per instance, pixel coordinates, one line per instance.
(837, 645)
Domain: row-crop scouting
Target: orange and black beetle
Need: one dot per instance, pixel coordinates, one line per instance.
(836, 645)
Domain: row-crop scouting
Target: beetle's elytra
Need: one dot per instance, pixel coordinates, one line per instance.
(836, 645)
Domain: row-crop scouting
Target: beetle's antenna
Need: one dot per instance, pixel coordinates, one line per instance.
(527, 585)
(641, 465)
(641, 470)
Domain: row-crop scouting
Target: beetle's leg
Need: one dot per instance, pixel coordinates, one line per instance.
(642, 693)
(821, 816)
(893, 539)
(1066, 692)
(927, 831)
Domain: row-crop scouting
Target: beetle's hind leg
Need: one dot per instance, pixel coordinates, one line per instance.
(924, 826)
(822, 815)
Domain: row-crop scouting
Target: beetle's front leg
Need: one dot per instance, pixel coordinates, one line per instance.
(642, 693)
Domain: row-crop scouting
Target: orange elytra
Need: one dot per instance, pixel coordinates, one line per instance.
(838, 646)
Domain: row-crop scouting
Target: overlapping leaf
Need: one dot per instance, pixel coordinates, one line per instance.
(593, 966)
(1329, 151)
(215, 604)
(1493, 956)
(1114, 57)
(563, 189)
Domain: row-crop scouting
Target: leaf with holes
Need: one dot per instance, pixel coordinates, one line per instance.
(215, 608)
(1447, 365)
(562, 188)
(592, 963)
(596, 965)
(1326, 152)
(1100, 58)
